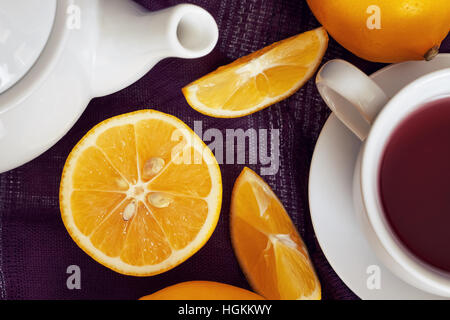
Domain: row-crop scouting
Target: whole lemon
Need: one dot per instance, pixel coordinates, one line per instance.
(202, 290)
(386, 30)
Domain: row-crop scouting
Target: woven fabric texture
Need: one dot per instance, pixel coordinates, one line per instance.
(36, 250)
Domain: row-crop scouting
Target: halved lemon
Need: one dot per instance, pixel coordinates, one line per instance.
(267, 244)
(141, 193)
(260, 79)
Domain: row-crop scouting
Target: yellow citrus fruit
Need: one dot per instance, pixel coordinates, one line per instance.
(386, 30)
(267, 244)
(202, 290)
(260, 79)
(141, 193)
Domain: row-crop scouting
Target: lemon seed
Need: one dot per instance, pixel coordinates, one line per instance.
(159, 200)
(152, 167)
(129, 211)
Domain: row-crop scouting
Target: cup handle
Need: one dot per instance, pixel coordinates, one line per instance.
(353, 97)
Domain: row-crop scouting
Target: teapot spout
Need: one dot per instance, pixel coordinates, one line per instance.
(132, 40)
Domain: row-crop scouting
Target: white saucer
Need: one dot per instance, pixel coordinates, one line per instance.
(330, 196)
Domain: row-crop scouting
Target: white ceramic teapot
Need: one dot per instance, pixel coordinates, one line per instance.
(56, 55)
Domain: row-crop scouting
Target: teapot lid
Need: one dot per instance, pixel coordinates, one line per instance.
(25, 26)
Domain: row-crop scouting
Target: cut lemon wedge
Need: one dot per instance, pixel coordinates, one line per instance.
(141, 193)
(267, 244)
(260, 79)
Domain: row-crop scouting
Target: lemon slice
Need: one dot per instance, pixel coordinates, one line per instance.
(267, 244)
(260, 79)
(141, 193)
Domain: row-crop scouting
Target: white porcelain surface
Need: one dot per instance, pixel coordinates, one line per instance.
(24, 29)
(115, 43)
(365, 109)
(331, 186)
(403, 263)
(351, 95)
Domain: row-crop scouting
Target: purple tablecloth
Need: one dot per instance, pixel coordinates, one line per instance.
(35, 249)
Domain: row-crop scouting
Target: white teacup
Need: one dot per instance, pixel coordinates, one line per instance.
(366, 110)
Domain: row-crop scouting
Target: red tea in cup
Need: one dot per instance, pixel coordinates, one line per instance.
(414, 183)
